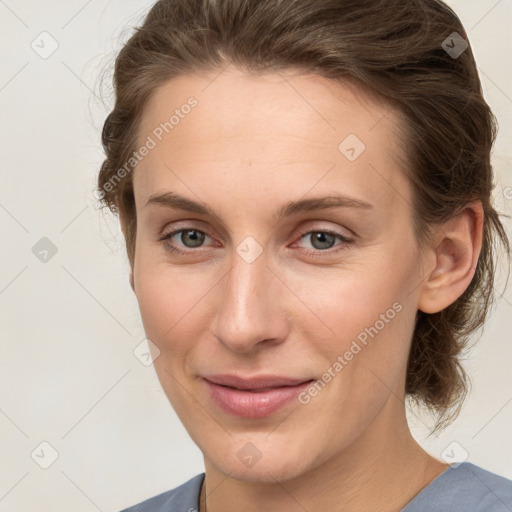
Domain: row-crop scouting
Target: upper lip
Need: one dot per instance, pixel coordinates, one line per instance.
(256, 382)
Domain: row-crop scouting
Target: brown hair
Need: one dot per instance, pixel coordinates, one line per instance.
(399, 50)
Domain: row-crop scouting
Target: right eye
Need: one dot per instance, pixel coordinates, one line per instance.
(190, 238)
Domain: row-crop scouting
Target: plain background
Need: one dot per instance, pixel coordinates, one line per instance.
(69, 326)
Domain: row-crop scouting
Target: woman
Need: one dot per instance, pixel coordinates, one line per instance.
(305, 187)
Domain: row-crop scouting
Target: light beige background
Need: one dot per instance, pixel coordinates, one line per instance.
(68, 327)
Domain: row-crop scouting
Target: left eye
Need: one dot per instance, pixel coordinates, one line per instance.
(322, 240)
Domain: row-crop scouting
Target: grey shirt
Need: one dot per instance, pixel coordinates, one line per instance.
(462, 488)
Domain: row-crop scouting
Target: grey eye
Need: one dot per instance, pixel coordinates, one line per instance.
(195, 237)
(321, 240)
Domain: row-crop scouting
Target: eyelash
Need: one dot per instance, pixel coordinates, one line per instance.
(311, 252)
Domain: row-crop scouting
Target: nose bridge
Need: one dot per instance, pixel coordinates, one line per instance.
(249, 306)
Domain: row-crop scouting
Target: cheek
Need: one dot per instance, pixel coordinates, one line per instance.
(366, 316)
(170, 308)
(171, 301)
(346, 302)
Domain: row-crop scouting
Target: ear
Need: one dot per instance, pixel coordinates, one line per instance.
(455, 250)
(123, 221)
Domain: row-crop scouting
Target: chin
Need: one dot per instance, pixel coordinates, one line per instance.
(268, 471)
(262, 458)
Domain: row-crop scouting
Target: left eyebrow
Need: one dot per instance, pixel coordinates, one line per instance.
(322, 203)
(174, 200)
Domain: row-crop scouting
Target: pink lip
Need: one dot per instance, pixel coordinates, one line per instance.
(242, 397)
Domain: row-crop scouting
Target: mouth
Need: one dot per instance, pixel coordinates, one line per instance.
(259, 382)
(262, 390)
(254, 398)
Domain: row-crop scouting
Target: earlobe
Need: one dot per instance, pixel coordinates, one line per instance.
(456, 247)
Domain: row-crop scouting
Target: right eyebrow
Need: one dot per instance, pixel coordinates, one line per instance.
(174, 200)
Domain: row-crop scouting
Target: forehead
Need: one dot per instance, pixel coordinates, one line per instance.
(246, 99)
(247, 130)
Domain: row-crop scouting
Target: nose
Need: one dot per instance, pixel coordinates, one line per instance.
(251, 306)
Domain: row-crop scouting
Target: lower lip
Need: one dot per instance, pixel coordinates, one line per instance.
(252, 404)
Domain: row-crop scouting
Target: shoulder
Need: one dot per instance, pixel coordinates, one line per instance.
(184, 498)
(465, 487)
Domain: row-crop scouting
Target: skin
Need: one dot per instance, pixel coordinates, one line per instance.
(253, 143)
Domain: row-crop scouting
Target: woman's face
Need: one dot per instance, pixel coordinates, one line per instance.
(260, 288)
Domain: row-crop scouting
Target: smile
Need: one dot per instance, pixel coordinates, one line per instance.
(257, 402)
